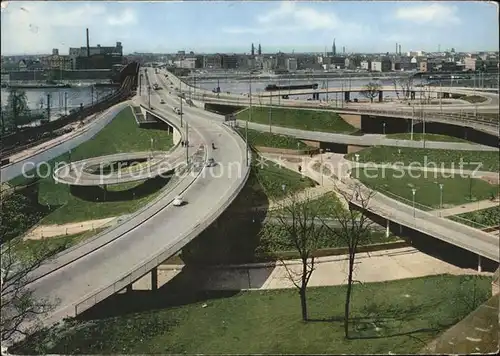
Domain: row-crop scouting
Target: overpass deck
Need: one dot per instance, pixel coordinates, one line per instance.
(84, 276)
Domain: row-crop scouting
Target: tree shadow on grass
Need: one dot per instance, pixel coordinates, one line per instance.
(98, 194)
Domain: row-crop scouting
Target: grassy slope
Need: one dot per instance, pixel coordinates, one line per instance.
(409, 313)
(299, 119)
(428, 137)
(455, 191)
(267, 139)
(442, 158)
(121, 135)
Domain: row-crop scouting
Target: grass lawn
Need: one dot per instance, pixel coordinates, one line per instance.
(322, 205)
(428, 137)
(267, 139)
(86, 203)
(299, 119)
(440, 158)
(480, 218)
(270, 178)
(398, 317)
(28, 249)
(474, 98)
(276, 240)
(456, 189)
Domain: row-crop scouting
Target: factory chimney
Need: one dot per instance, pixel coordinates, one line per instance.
(399, 49)
(88, 45)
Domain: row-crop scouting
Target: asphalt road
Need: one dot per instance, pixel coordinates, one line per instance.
(158, 232)
(365, 140)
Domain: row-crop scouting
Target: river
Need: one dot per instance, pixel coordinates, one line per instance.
(37, 98)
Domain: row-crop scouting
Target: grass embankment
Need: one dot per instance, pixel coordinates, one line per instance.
(398, 185)
(480, 218)
(474, 98)
(427, 137)
(488, 160)
(397, 317)
(267, 139)
(299, 119)
(86, 203)
(270, 178)
(29, 249)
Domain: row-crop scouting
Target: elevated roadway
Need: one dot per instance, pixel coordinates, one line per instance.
(92, 271)
(82, 172)
(365, 140)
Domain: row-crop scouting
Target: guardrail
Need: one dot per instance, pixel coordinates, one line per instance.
(139, 271)
(417, 225)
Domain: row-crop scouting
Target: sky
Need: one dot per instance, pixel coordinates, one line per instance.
(35, 27)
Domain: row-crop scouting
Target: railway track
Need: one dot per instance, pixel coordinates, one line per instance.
(28, 138)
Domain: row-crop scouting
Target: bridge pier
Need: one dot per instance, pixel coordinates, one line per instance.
(380, 96)
(154, 279)
(129, 288)
(347, 95)
(387, 231)
(412, 95)
(479, 266)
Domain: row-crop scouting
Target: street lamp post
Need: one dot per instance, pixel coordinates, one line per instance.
(321, 164)
(149, 96)
(412, 118)
(441, 185)
(413, 191)
(383, 127)
(298, 148)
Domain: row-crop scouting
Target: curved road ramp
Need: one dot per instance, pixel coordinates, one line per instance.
(81, 277)
(118, 168)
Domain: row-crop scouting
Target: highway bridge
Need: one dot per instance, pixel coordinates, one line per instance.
(92, 271)
(476, 241)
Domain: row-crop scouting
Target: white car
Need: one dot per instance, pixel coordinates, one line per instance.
(178, 201)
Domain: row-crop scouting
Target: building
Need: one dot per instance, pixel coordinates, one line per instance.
(291, 64)
(57, 61)
(229, 61)
(113, 51)
(366, 65)
(189, 63)
(337, 62)
(381, 65)
(213, 61)
(29, 65)
(98, 61)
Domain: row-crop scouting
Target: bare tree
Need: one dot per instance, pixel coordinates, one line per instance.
(20, 310)
(299, 220)
(396, 86)
(371, 91)
(406, 85)
(353, 230)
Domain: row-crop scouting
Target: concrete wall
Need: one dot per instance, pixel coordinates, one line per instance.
(284, 151)
(315, 144)
(177, 137)
(353, 148)
(353, 120)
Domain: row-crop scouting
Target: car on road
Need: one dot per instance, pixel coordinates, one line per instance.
(162, 101)
(210, 162)
(177, 111)
(178, 201)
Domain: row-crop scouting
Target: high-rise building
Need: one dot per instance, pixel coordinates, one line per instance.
(400, 49)
(259, 51)
(253, 50)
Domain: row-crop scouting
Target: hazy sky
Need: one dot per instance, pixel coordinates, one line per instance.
(227, 26)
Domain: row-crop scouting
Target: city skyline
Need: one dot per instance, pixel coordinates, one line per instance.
(363, 27)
